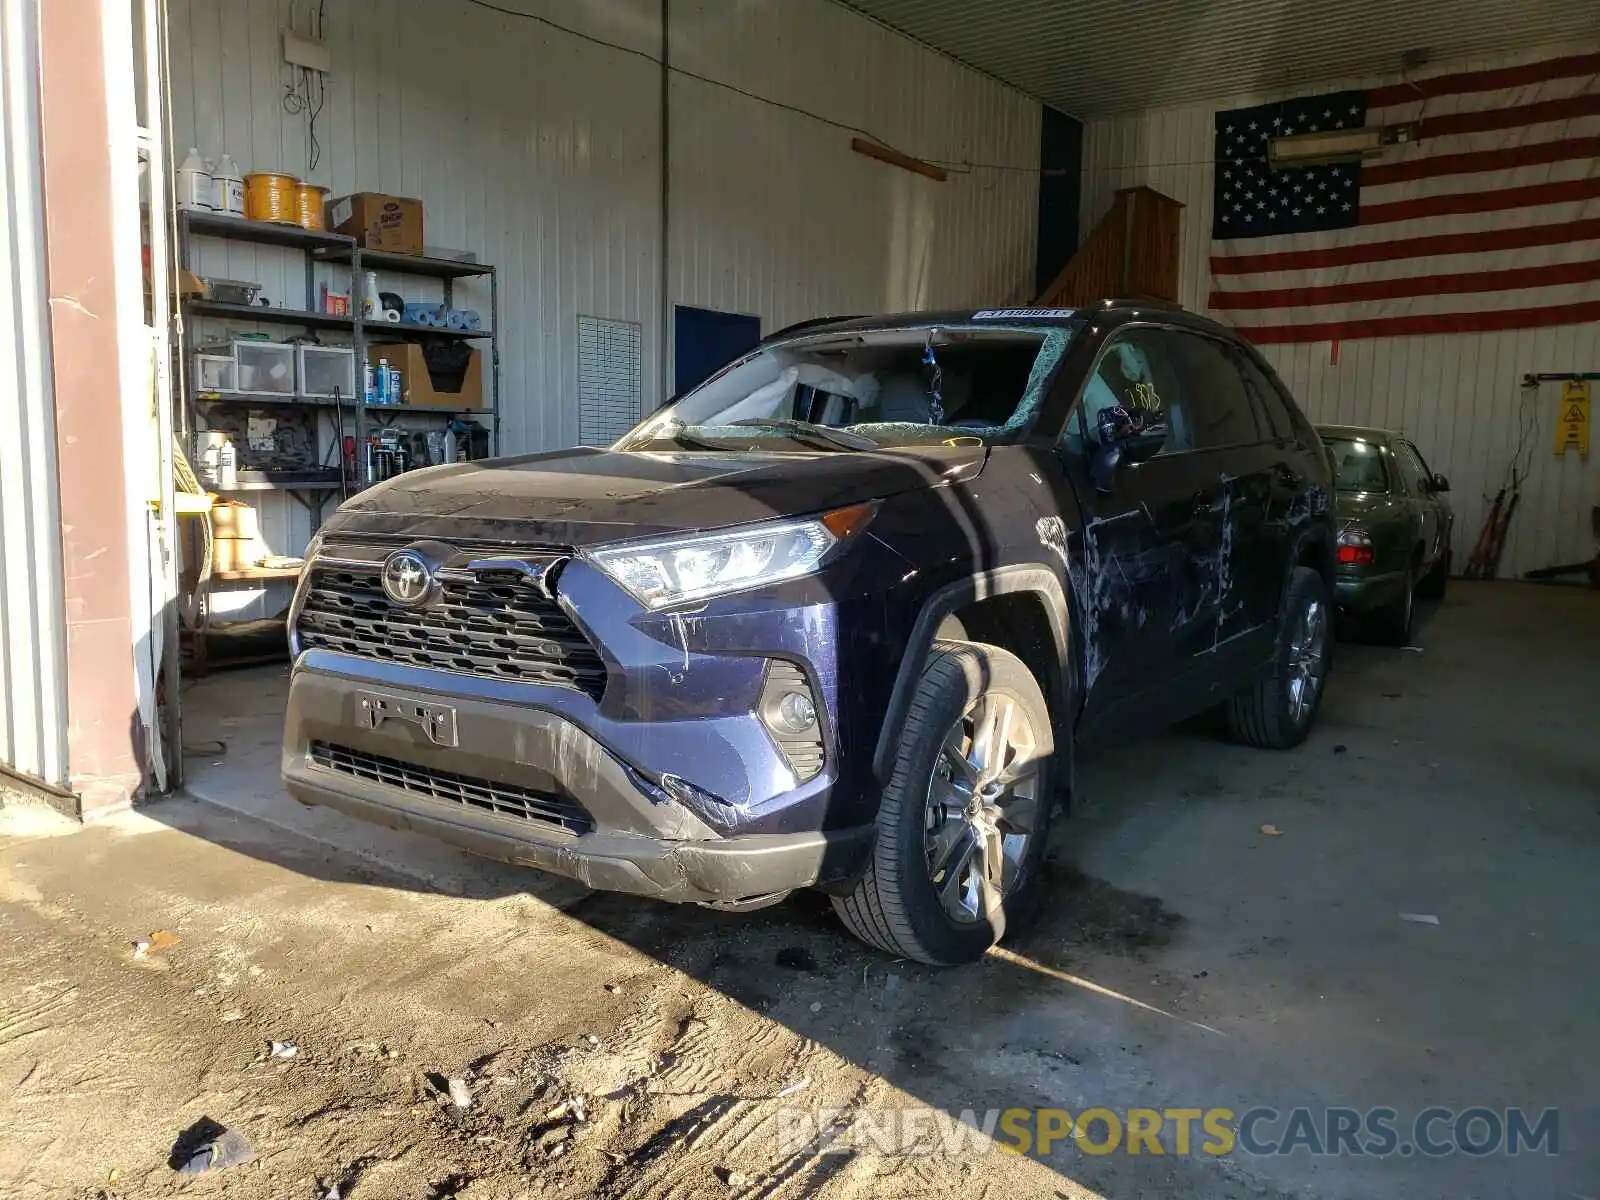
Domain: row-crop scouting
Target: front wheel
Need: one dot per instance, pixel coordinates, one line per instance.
(962, 824)
(1276, 712)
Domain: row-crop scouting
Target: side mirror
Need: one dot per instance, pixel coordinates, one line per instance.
(1439, 484)
(1110, 456)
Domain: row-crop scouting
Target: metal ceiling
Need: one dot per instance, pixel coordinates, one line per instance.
(1096, 59)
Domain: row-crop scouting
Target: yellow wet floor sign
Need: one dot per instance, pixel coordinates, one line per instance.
(1572, 422)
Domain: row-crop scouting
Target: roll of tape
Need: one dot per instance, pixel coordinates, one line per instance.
(392, 315)
(454, 318)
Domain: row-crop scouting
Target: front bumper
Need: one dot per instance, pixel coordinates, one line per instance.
(640, 841)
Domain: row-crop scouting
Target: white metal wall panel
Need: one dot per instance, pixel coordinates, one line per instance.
(1459, 395)
(540, 151)
(33, 716)
(772, 213)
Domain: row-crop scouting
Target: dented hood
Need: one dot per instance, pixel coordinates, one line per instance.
(586, 496)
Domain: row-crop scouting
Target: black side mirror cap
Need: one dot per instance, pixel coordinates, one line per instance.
(1109, 457)
(1440, 484)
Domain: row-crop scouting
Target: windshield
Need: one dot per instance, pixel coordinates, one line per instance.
(1359, 464)
(862, 391)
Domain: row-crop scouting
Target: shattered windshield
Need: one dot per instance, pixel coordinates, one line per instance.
(861, 391)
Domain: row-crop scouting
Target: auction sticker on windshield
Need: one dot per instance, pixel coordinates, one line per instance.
(1023, 314)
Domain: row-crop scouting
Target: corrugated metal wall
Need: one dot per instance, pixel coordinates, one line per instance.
(33, 716)
(541, 151)
(1458, 395)
(774, 215)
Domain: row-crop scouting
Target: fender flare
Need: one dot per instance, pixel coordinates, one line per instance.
(982, 585)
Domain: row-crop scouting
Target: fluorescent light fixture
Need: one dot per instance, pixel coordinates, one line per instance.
(1336, 145)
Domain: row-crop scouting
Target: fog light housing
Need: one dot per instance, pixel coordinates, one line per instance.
(788, 708)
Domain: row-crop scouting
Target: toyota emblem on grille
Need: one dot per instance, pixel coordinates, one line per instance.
(408, 579)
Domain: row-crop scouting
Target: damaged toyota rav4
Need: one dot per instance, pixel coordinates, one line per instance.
(837, 618)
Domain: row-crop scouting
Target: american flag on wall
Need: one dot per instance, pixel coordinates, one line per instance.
(1489, 220)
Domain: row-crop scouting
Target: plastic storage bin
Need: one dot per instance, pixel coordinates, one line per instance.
(264, 367)
(214, 373)
(328, 370)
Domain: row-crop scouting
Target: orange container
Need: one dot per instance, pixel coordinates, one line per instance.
(311, 201)
(272, 196)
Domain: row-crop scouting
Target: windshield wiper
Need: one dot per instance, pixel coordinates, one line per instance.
(825, 434)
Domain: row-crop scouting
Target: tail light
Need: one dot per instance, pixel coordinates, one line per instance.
(1355, 548)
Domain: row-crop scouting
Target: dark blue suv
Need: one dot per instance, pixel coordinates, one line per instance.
(837, 618)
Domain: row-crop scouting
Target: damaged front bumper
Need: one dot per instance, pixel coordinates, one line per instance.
(527, 786)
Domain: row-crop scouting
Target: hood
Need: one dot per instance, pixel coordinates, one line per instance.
(586, 496)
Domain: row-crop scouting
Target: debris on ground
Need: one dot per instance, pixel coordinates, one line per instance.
(1340, 748)
(1420, 918)
(574, 1108)
(614, 988)
(208, 1146)
(460, 1093)
(798, 1085)
(816, 1006)
(1412, 649)
(1271, 830)
(731, 1178)
(282, 1049)
(591, 1039)
(229, 1016)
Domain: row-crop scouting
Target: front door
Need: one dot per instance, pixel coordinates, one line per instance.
(1133, 571)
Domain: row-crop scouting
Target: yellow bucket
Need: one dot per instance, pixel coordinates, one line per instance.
(272, 196)
(310, 199)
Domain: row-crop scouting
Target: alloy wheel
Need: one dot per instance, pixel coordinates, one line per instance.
(982, 809)
(1307, 646)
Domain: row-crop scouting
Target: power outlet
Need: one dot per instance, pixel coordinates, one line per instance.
(310, 53)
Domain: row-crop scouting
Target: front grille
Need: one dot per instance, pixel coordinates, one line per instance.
(506, 799)
(497, 626)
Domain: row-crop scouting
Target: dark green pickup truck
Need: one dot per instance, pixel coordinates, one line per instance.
(1394, 527)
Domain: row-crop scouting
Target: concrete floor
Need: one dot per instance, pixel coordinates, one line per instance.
(1188, 959)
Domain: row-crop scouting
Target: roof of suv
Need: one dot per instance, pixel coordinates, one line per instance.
(1113, 311)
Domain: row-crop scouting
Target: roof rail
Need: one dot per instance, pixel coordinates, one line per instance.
(809, 324)
(1143, 302)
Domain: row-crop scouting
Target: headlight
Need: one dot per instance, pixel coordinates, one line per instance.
(674, 570)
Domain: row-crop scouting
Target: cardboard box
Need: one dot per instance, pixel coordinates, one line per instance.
(417, 384)
(379, 222)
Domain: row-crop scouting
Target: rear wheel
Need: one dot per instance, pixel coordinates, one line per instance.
(1392, 624)
(1433, 584)
(1276, 713)
(962, 824)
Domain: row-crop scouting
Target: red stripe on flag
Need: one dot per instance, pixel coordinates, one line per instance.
(1538, 154)
(1419, 247)
(1476, 202)
(1473, 322)
(1568, 108)
(1417, 285)
(1501, 79)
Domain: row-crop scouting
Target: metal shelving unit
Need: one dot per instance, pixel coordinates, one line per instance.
(333, 249)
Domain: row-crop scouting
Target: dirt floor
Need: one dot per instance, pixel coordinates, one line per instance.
(1223, 929)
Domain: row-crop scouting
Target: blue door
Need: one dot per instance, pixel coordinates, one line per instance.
(704, 341)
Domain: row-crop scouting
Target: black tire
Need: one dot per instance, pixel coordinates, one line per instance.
(1392, 624)
(1265, 713)
(1432, 585)
(894, 906)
